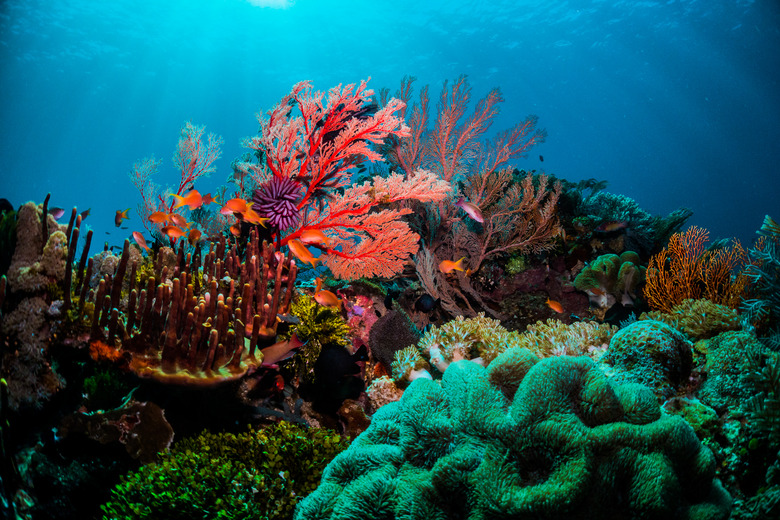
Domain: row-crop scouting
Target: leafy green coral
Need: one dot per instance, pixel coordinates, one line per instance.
(612, 278)
(256, 474)
(521, 439)
(317, 326)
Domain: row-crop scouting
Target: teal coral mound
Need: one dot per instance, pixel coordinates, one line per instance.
(651, 353)
(522, 438)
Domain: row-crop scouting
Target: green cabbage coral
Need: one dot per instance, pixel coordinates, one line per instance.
(250, 475)
(611, 278)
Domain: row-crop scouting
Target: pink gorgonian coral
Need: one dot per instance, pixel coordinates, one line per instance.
(276, 199)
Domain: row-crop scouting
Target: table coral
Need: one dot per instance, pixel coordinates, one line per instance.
(567, 443)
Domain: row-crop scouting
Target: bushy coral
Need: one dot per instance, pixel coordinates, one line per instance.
(651, 353)
(521, 439)
(256, 474)
(478, 338)
(611, 278)
(555, 338)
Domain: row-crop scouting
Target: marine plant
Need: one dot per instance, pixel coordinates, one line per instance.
(255, 474)
(521, 438)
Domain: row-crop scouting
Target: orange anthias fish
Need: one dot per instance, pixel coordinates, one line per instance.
(173, 231)
(235, 229)
(281, 350)
(557, 307)
(234, 206)
(207, 199)
(158, 217)
(253, 217)
(192, 199)
(178, 220)
(314, 237)
(194, 236)
(301, 252)
(447, 266)
(120, 216)
(472, 210)
(140, 240)
(610, 226)
(325, 297)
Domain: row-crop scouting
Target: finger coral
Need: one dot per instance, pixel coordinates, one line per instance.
(567, 443)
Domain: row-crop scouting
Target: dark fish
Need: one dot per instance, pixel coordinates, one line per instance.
(610, 226)
(85, 213)
(426, 303)
(391, 295)
(57, 213)
(541, 158)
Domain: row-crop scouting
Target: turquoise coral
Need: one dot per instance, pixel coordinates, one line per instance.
(521, 439)
(651, 353)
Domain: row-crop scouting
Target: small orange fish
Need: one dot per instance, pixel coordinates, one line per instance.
(314, 237)
(301, 252)
(234, 206)
(325, 297)
(178, 220)
(194, 236)
(207, 199)
(140, 240)
(471, 209)
(253, 217)
(158, 217)
(610, 226)
(235, 229)
(597, 291)
(192, 199)
(120, 216)
(281, 350)
(173, 231)
(557, 307)
(447, 266)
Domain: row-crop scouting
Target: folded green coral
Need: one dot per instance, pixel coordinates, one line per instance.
(521, 438)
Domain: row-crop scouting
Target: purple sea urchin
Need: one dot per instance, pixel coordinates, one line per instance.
(276, 200)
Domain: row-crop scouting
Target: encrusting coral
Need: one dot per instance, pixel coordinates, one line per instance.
(522, 438)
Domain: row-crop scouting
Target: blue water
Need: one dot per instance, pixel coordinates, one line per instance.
(675, 103)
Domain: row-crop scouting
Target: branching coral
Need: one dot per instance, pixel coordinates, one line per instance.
(555, 338)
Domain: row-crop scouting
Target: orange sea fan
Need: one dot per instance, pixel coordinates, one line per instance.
(686, 269)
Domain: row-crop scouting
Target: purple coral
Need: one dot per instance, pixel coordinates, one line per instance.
(276, 199)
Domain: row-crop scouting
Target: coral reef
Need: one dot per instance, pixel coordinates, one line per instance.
(547, 439)
(699, 319)
(728, 370)
(555, 338)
